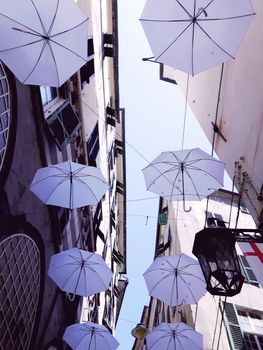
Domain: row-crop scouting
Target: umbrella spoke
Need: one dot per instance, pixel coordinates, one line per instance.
(189, 14)
(225, 18)
(53, 20)
(188, 288)
(20, 46)
(165, 21)
(21, 24)
(178, 36)
(39, 17)
(193, 183)
(67, 49)
(54, 58)
(205, 172)
(70, 29)
(219, 46)
(36, 63)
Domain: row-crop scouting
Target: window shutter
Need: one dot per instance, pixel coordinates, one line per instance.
(247, 271)
(63, 124)
(235, 334)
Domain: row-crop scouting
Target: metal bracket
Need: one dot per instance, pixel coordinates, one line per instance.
(217, 130)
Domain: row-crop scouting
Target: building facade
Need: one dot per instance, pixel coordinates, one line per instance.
(241, 326)
(227, 102)
(80, 121)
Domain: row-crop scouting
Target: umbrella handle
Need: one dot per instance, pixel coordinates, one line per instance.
(186, 210)
(71, 297)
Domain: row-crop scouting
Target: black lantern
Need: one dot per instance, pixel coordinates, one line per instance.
(215, 250)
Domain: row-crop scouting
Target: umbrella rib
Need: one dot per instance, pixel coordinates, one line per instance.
(203, 171)
(69, 277)
(189, 289)
(225, 18)
(34, 67)
(70, 29)
(49, 176)
(54, 59)
(193, 39)
(39, 17)
(184, 9)
(20, 46)
(209, 37)
(21, 24)
(82, 338)
(165, 21)
(84, 183)
(196, 191)
(70, 188)
(192, 275)
(167, 48)
(157, 283)
(160, 175)
(179, 190)
(53, 20)
(67, 49)
(89, 267)
(54, 189)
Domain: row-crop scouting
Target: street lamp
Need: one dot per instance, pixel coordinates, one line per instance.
(140, 331)
(215, 250)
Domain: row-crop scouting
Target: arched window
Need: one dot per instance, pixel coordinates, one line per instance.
(7, 118)
(21, 278)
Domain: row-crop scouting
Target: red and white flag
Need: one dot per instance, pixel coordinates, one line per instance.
(254, 255)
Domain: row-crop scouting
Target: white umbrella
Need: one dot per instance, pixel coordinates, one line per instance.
(174, 336)
(194, 35)
(69, 185)
(175, 280)
(43, 42)
(184, 175)
(89, 336)
(79, 272)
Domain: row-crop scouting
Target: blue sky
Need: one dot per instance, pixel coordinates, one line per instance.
(154, 123)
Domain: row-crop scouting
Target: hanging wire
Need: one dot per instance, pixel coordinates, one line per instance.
(232, 195)
(196, 310)
(185, 109)
(221, 323)
(240, 197)
(215, 123)
(217, 314)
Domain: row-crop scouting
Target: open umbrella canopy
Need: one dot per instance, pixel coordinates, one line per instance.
(79, 272)
(69, 185)
(184, 175)
(195, 35)
(175, 280)
(89, 336)
(42, 42)
(174, 336)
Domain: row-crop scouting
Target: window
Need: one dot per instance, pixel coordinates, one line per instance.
(244, 328)
(214, 220)
(4, 114)
(20, 279)
(251, 324)
(111, 116)
(108, 45)
(163, 216)
(63, 124)
(93, 146)
(63, 218)
(247, 271)
(253, 341)
(48, 94)
(88, 70)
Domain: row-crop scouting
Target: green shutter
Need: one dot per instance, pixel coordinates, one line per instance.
(234, 331)
(247, 271)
